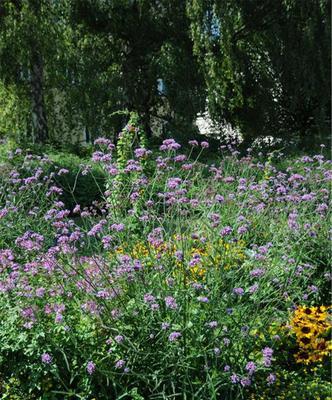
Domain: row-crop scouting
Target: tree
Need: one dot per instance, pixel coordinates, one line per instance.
(145, 41)
(79, 64)
(266, 63)
(30, 42)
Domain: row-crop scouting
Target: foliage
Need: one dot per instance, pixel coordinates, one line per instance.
(31, 41)
(79, 187)
(263, 62)
(194, 285)
(70, 67)
(13, 112)
(149, 41)
(97, 59)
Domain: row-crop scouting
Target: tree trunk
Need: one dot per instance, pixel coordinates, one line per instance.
(39, 121)
(146, 122)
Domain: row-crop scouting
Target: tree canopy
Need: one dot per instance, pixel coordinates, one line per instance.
(70, 66)
(266, 63)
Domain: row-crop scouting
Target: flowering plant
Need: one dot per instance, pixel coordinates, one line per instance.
(170, 285)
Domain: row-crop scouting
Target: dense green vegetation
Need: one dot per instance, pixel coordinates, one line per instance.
(184, 280)
(165, 192)
(75, 66)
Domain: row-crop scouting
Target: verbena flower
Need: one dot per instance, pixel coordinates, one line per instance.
(119, 338)
(46, 358)
(171, 303)
(174, 336)
(120, 364)
(271, 379)
(238, 291)
(251, 367)
(90, 367)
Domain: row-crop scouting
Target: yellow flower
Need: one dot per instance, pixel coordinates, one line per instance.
(309, 324)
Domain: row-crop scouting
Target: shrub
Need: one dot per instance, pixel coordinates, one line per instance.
(188, 281)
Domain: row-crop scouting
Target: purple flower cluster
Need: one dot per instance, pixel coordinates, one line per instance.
(267, 356)
(174, 336)
(171, 303)
(145, 268)
(90, 367)
(169, 144)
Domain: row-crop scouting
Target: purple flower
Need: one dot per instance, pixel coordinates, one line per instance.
(154, 306)
(106, 240)
(119, 338)
(165, 326)
(141, 152)
(46, 358)
(216, 351)
(292, 221)
(120, 364)
(40, 292)
(256, 273)
(267, 356)
(251, 367)
(174, 336)
(238, 291)
(149, 298)
(220, 198)
(90, 367)
(271, 379)
(313, 289)
(229, 179)
(253, 288)
(63, 171)
(187, 167)
(205, 145)
(30, 241)
(212, 324)
(117, 227)
(203, 299)
(226, 231)
(234, 378)
(173, 183)
(296, 177)
(97, 228)
(245, 382)
(103, 142)
(180, 158)
(322, 208)
(242, 229)
(58, 318)
(267, 352)
(227, 368)
(171, 303)
(169, 144)
(215, 218)
(132, 165)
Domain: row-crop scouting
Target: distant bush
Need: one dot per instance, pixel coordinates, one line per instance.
(78, 187)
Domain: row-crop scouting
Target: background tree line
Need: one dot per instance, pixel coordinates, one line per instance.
(73, 65)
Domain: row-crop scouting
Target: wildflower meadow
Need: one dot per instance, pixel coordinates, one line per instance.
(186, 278)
